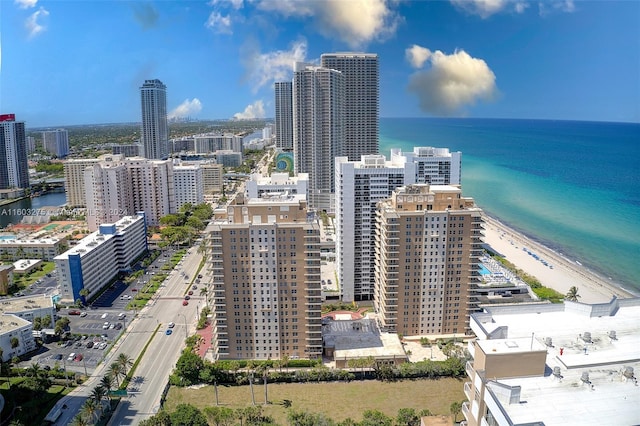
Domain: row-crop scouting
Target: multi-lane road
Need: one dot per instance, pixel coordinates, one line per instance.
(153, 371)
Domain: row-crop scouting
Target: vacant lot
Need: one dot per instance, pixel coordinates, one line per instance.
(337, 400)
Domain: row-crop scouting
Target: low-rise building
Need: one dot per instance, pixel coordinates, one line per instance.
(6, 278)
(555, 364)
(99, 257)
(277, 183)
(30, 247)
(16, 323)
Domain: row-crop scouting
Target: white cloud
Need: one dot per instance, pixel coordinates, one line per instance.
(186, 109)
(417, 55)
(26, 4)
(255, 110)
(236, 4)
(218, 23)
(486, 8)
(561, 6)
(452, 82)
(355, 22)
(265, 68)
(32, 22)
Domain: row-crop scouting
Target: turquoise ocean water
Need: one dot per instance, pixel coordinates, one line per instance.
(574, 186)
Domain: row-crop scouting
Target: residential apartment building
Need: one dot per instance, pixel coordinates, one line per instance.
(99, 257)
(360, 185)
(212, 178)
(318, 129)
(428, 248)
(229, 158)
(215, 142)
(278, 183)
(284, 115)
(31, 144)
(265, 263)
(426, 164)
(154, 129)
(56, 142)
(14, 168)
(18, 330)
(74, 186)
(188, 184)
(118, 186)
(554, 364)
(32, 248)
(362, 100)
(130, 150)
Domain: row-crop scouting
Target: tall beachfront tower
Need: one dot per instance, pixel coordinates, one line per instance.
(362, 100)
(359, 187)
(265, 291)
(428, 248)
(284, 115)
(318, 129)
(14, 168)
(154, 131)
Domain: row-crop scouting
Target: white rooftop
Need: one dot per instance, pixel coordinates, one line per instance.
(607, 397)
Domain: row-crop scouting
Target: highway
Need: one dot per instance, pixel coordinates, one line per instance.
(153, 371)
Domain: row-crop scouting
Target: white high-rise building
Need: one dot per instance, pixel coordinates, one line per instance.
(360, 185)
(436, 166)
(154, 130)
(188, 184)
(14, 168)
(56, 142)
(362, 105)
(284, 115)
(117, 186)
(318, 129)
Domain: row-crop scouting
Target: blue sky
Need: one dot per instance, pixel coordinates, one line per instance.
(79, 62)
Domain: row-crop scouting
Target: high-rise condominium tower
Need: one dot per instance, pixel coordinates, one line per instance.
(361, 82)
(360, 185)
(266, 293)
(318, 128)
(284, 115)
(14, 168)
(428, 248)
(56, 142)
(155, 131)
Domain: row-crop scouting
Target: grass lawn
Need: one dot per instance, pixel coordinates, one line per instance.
(337, 400)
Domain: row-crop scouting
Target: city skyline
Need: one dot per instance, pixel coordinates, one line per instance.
(554, 60)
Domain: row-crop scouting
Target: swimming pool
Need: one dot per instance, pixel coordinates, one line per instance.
(484, 270)
(7, 237)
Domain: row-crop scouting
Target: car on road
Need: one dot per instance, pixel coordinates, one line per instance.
(74, 312)
(187, 297)
(134, 289)
(172, 324)
(194, 287)
(168, 332)
(190, 293)
(185, 303)
(83, 314)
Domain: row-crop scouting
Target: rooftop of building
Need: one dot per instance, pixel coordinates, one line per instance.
(10, 322)
(353, 339)
(26, 303)
(25, 264)
(589, 347)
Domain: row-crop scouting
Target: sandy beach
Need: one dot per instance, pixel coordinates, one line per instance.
(561, 274)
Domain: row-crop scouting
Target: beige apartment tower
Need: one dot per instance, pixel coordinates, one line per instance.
(266, 293)
(428, 246)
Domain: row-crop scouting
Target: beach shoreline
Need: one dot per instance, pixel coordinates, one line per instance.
(560, 273)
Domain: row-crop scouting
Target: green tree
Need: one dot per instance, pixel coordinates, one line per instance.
(302, 418)
(195, 223)
(107, 382)
(188, 367)
(125, 362)
(572, 295)
(455, 408)
(14, 342)
(80, 420)
(116, 371)
(188, 415)
(407, 417)
(219, 416)
(162, 418)
(98, 394)
(90, 409)
(375, 418)
(37, 323)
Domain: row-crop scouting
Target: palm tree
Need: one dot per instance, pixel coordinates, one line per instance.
(455, 409)
(572, 295)
(90, 409)
(107, 382)
(125, 362)
(251, 365)
(116, 371)
(80, 420)
(98, 394)
(14, 342)
(263, 370)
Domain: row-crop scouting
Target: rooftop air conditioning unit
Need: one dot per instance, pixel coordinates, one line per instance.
(586, 336)
(557, 373)
(585, 377)
(548, 341)
(612, 335)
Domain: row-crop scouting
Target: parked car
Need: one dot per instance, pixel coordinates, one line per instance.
(74, 312)
(172, 324)
(57, 357)
(104, 315)
(118, 326)
(168, 332)
(185, 303)
(71, 356)
(187, 297)
(106, 325)
(78, 357)
(89, 345)
(83, 314)
(190, 293)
